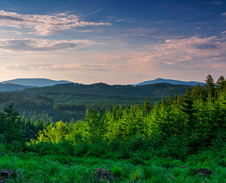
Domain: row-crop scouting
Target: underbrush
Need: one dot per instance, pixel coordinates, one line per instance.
(36, 168)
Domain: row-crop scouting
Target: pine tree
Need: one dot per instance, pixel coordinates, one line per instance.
(13, 133)
(221, 84)
(146, 107)
(196, 91)
(96, 125)
(209, 86)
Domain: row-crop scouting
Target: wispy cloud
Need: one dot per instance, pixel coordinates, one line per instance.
(96, 11)
(56, 67)
(42, 44)
(124, 20)
(224, 14)
(44, 25)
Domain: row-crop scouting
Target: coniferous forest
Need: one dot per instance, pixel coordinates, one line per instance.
(69, 102)
(180, 138)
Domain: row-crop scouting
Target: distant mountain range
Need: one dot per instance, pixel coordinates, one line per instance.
(170, 81)
(24, 83)
(35, 82)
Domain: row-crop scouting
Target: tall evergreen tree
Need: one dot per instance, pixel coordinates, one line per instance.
(13, 133)
(146, 107)
(221, 84)
(209, 86)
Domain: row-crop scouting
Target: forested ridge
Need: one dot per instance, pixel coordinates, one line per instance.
(153, 141)
(70, 101)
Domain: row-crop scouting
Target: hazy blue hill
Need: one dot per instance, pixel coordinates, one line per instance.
(171, 81)
(8, 87)
(35, 82)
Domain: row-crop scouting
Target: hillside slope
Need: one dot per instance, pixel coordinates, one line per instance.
(8, 87)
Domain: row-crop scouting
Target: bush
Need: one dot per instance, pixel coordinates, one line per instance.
(2, 138)
(44, 148)
(98, 149)
(136, 175)
(117, 172)
(16, 146)
(65, 148)
(137, 143)
(165, 162)
(81, 149)
(174, 147)
(147, 172)
(157, 174)
(136, 159)
(2, 149)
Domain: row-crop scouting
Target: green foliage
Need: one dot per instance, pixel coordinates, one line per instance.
(81, 149)
(175, 128)
(154, 141)
(117, 172)
(2, 149)
(2, 139)
(137, 143)
(174, 147)
(12, 133)
(136, 175)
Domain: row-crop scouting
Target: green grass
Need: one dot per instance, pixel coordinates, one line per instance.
(33, 168)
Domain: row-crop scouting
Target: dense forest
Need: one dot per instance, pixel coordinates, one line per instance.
(169, 141)
(70, 101)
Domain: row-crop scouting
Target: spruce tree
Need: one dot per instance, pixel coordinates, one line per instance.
(209, 86)
(13, 130)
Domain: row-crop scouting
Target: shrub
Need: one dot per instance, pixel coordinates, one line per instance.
(136, 175)
(174, 147)
(136, 159)
(117, 171)
(137, 143)
(158, 174)
(147, 172)
(2, 149)
(81, 149)
(98, 149)
(65, 148)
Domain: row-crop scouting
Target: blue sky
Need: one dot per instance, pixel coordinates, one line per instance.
(112, 41)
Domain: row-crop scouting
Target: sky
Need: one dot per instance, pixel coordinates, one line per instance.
(112, 41)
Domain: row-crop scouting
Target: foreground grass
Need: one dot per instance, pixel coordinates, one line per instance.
(31, 167)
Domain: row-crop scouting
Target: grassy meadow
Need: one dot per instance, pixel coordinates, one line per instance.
(31, 167)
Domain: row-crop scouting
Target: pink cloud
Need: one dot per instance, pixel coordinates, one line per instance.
(42, 44)
(44, 25)
(178, 50)
(182, 53)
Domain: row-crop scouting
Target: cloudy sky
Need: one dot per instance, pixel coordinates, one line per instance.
(112, 41)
